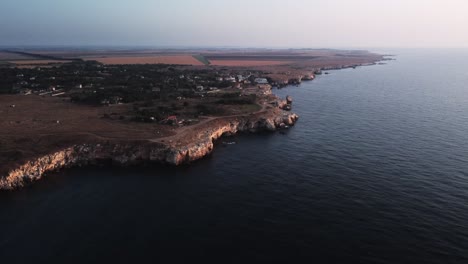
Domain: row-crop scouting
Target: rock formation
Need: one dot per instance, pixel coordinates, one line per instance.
(134, 152)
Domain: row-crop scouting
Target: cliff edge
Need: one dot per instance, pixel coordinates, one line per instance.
(176, 151)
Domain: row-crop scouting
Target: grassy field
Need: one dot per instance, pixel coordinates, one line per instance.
(7, 56)
(202, 59)
(38, 124)
(245, 109)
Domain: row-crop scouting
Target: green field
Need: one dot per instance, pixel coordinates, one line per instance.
(202, 59)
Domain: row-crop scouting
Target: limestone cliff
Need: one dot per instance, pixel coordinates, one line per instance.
(134, 152)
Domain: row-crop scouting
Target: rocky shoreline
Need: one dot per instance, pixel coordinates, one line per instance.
(139, 151)
(133, 152)
(310, 75)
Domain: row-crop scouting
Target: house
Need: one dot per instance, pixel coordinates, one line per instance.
(115, 100)
(261, 81)
(26, 91)
(170, 120)
(230, 79)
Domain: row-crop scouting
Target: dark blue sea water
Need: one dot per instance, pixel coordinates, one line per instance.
(375, 171)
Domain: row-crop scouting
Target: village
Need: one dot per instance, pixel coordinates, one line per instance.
(173, 112)
(166, 94)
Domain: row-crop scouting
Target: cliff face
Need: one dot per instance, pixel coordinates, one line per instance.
(83, 154)
(134, 152)
(205, 144)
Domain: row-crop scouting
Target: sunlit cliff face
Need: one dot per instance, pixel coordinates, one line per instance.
(134, 152)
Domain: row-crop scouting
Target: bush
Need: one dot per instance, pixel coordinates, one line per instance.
(238, 100)
(231, 95)
(210, 109)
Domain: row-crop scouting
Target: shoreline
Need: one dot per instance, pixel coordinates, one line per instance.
(139, 151)
(134, 152)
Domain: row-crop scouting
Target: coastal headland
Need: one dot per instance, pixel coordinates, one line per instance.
(63, 108)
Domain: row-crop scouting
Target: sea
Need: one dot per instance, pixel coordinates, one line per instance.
(374, 171)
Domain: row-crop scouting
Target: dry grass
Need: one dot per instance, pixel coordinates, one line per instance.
(30, 128)
(175, 59)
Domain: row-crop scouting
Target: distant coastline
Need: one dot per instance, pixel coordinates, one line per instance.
(68, 147)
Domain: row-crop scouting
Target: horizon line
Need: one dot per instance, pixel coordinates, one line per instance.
(117, 46)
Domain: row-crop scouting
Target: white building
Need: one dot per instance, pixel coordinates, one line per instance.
(261, 81)
(230, 79)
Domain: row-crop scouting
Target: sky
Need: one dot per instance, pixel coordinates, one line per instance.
(236, 23)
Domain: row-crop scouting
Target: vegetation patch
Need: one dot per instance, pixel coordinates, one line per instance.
(202, 59)
(238, 100)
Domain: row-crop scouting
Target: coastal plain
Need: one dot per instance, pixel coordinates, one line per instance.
(75, 107)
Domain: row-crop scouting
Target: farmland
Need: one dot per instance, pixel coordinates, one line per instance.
(7, 56)
(276, 60)
(37, 62)
(169, 59)
(247, 63)
(202, 59)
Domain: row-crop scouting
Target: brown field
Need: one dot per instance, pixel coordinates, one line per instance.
(247, 63)
(38, 125)
(307, 58)
(6, 56)
(83, 54)
(176, 59)
(31, 128)
(36, 62)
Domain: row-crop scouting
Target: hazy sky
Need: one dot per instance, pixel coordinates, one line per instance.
(246, 23)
